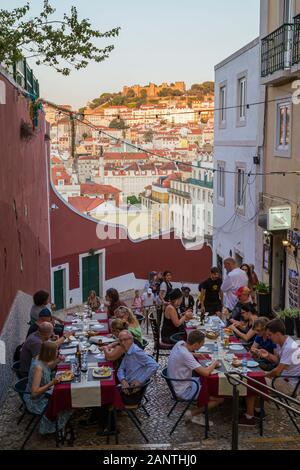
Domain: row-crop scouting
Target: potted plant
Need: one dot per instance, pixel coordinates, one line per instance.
(297, 321)
(263, 295)
(287, 316)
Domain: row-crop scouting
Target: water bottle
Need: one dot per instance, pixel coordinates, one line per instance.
(244, 365)
(222, 334)
(216, 351)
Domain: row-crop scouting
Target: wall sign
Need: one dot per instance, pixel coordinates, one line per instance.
(279, 218)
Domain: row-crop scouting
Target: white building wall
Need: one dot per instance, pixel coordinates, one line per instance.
(234, 232)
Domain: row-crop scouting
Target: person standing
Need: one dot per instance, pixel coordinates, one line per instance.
(211, 294)
(188, 301)
(235, 279)
(166, 287)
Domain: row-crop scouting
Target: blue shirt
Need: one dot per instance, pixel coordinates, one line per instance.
(266, 344)
(136, 365)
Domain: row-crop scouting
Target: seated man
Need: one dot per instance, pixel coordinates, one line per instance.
(32, 346)
(262, 341)
(43, 316)
(244, 298)
(136, 367)
(41, 299)
(182, 364)
(286, 357)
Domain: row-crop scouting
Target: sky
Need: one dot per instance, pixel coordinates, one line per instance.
(160, 41)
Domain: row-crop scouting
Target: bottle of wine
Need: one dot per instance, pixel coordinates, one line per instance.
(78, 356)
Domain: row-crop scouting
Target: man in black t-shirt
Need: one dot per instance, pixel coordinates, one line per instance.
(211, 294)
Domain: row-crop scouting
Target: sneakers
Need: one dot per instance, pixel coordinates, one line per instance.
(197, 419)
(244, 421)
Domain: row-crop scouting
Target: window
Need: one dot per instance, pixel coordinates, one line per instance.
(241, 187)
(223, 105)
(283, 130)
(242, 98)
(221, 182)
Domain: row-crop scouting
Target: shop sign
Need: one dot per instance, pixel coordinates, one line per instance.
(279, 218)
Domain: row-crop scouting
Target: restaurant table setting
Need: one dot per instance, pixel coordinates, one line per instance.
(92, 383)
(232, 358)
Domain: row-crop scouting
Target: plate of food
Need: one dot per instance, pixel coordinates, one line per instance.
(102, 340)
(236, 363)
(65, 376)
(103, 372)
(228, 332)
(236, 347)
(252, 364)
(212, 335)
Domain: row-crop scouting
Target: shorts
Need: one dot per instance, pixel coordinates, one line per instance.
(282, 386)
(189, 392)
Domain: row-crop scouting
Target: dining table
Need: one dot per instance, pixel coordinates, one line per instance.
(217, 384)
(85, 389)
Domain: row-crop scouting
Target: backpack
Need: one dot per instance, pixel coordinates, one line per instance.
(17, 353)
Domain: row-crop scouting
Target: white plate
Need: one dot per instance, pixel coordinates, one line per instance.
(252, 364)
(93, 349)
(73, 344)
(98, 376)
(203, 350)
(104, 339)
(98, 327)
(236, 347)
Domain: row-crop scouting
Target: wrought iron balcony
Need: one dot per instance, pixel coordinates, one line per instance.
(201, 183)
(296, 42)
(180, 193)
(277, 50)
(23, 75)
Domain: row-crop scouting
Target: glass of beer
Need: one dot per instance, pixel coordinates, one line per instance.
(226, 341)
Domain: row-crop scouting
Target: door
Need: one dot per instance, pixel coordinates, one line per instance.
(59, 289)
(90, 276)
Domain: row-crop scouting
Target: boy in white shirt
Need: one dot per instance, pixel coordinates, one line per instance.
(182, 364)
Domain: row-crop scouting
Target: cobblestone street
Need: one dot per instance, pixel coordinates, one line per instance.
(278, 430)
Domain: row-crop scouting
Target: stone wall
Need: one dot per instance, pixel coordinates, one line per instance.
(13, 333)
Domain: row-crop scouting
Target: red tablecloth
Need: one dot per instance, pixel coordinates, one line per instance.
(61, 397)
(210, 385)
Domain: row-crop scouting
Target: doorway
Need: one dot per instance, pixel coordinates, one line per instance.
(59, 288)
(91, 278)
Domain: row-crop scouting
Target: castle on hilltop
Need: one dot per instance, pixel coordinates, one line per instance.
(152, 90)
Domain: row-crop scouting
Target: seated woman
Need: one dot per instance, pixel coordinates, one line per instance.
(262, 341)
(124, 313)
(113, 301)
(246, 331)
(39, 383)
(93, 301)
(172, 322)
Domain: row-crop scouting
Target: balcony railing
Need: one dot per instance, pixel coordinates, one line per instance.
(296, 42)
(180, 193)
(277, 50)
(23, 75)
(201, 183)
